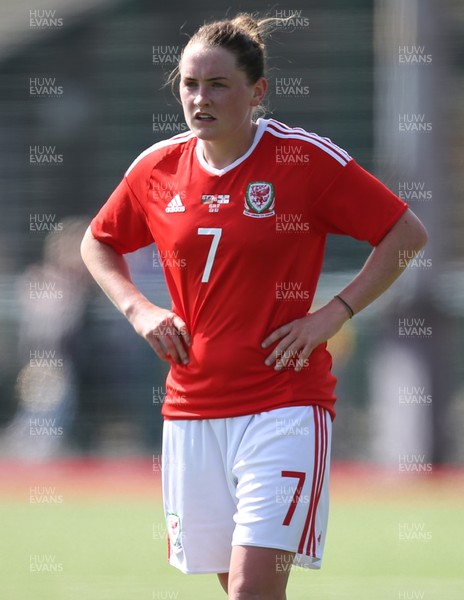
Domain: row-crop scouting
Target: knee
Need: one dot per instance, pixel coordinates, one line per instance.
(253, 591)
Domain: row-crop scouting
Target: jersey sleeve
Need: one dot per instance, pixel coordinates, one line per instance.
(357, 204)
(122, 222)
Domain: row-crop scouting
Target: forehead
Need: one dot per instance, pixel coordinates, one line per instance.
(200, 61)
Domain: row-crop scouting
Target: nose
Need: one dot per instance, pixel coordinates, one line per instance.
(201, 99)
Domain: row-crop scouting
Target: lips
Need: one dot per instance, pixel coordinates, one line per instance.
(204, 117)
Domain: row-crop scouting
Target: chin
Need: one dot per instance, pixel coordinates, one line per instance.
(204, 135)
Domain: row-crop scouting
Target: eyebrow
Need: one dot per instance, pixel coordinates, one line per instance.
(189, 78)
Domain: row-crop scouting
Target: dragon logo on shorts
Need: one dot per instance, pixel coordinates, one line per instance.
(259, 200)
(174, 527)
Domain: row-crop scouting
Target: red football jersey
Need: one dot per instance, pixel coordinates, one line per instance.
(242, 250)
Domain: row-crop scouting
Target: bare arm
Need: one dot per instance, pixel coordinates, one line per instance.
(381, 269)
(165, 331)
(383, 266)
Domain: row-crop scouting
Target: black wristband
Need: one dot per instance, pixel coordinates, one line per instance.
(347, 306)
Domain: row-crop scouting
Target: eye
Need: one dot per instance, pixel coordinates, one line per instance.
(190, 84)
(218, 84)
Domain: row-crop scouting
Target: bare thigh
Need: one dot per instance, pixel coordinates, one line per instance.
(257, 573)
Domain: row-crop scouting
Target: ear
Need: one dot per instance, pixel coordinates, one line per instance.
(260, 88)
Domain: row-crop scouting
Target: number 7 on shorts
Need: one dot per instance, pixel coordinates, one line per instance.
(301, 479)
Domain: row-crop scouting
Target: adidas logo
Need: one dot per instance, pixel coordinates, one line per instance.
(175, 205)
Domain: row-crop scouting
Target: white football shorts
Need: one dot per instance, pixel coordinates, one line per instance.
(257, 480)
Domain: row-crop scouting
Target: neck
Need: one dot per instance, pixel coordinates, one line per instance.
(220, 154)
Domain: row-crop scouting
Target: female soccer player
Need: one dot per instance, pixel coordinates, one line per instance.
(249, 403)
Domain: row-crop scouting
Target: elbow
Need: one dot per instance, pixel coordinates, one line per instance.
(85, 244)
(408, 235)
(420, 237)
(412, 233)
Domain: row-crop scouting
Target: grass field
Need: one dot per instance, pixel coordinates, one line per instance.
(94, 530)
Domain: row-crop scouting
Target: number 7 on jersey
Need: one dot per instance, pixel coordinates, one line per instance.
(216, 232)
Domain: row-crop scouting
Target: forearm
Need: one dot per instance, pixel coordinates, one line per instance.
(384, 266)
(164, 331)
(111, 272)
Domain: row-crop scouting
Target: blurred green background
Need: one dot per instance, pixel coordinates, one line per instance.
(95, 530)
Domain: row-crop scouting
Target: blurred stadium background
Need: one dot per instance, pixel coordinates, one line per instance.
(82, 95)
(82, 88)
